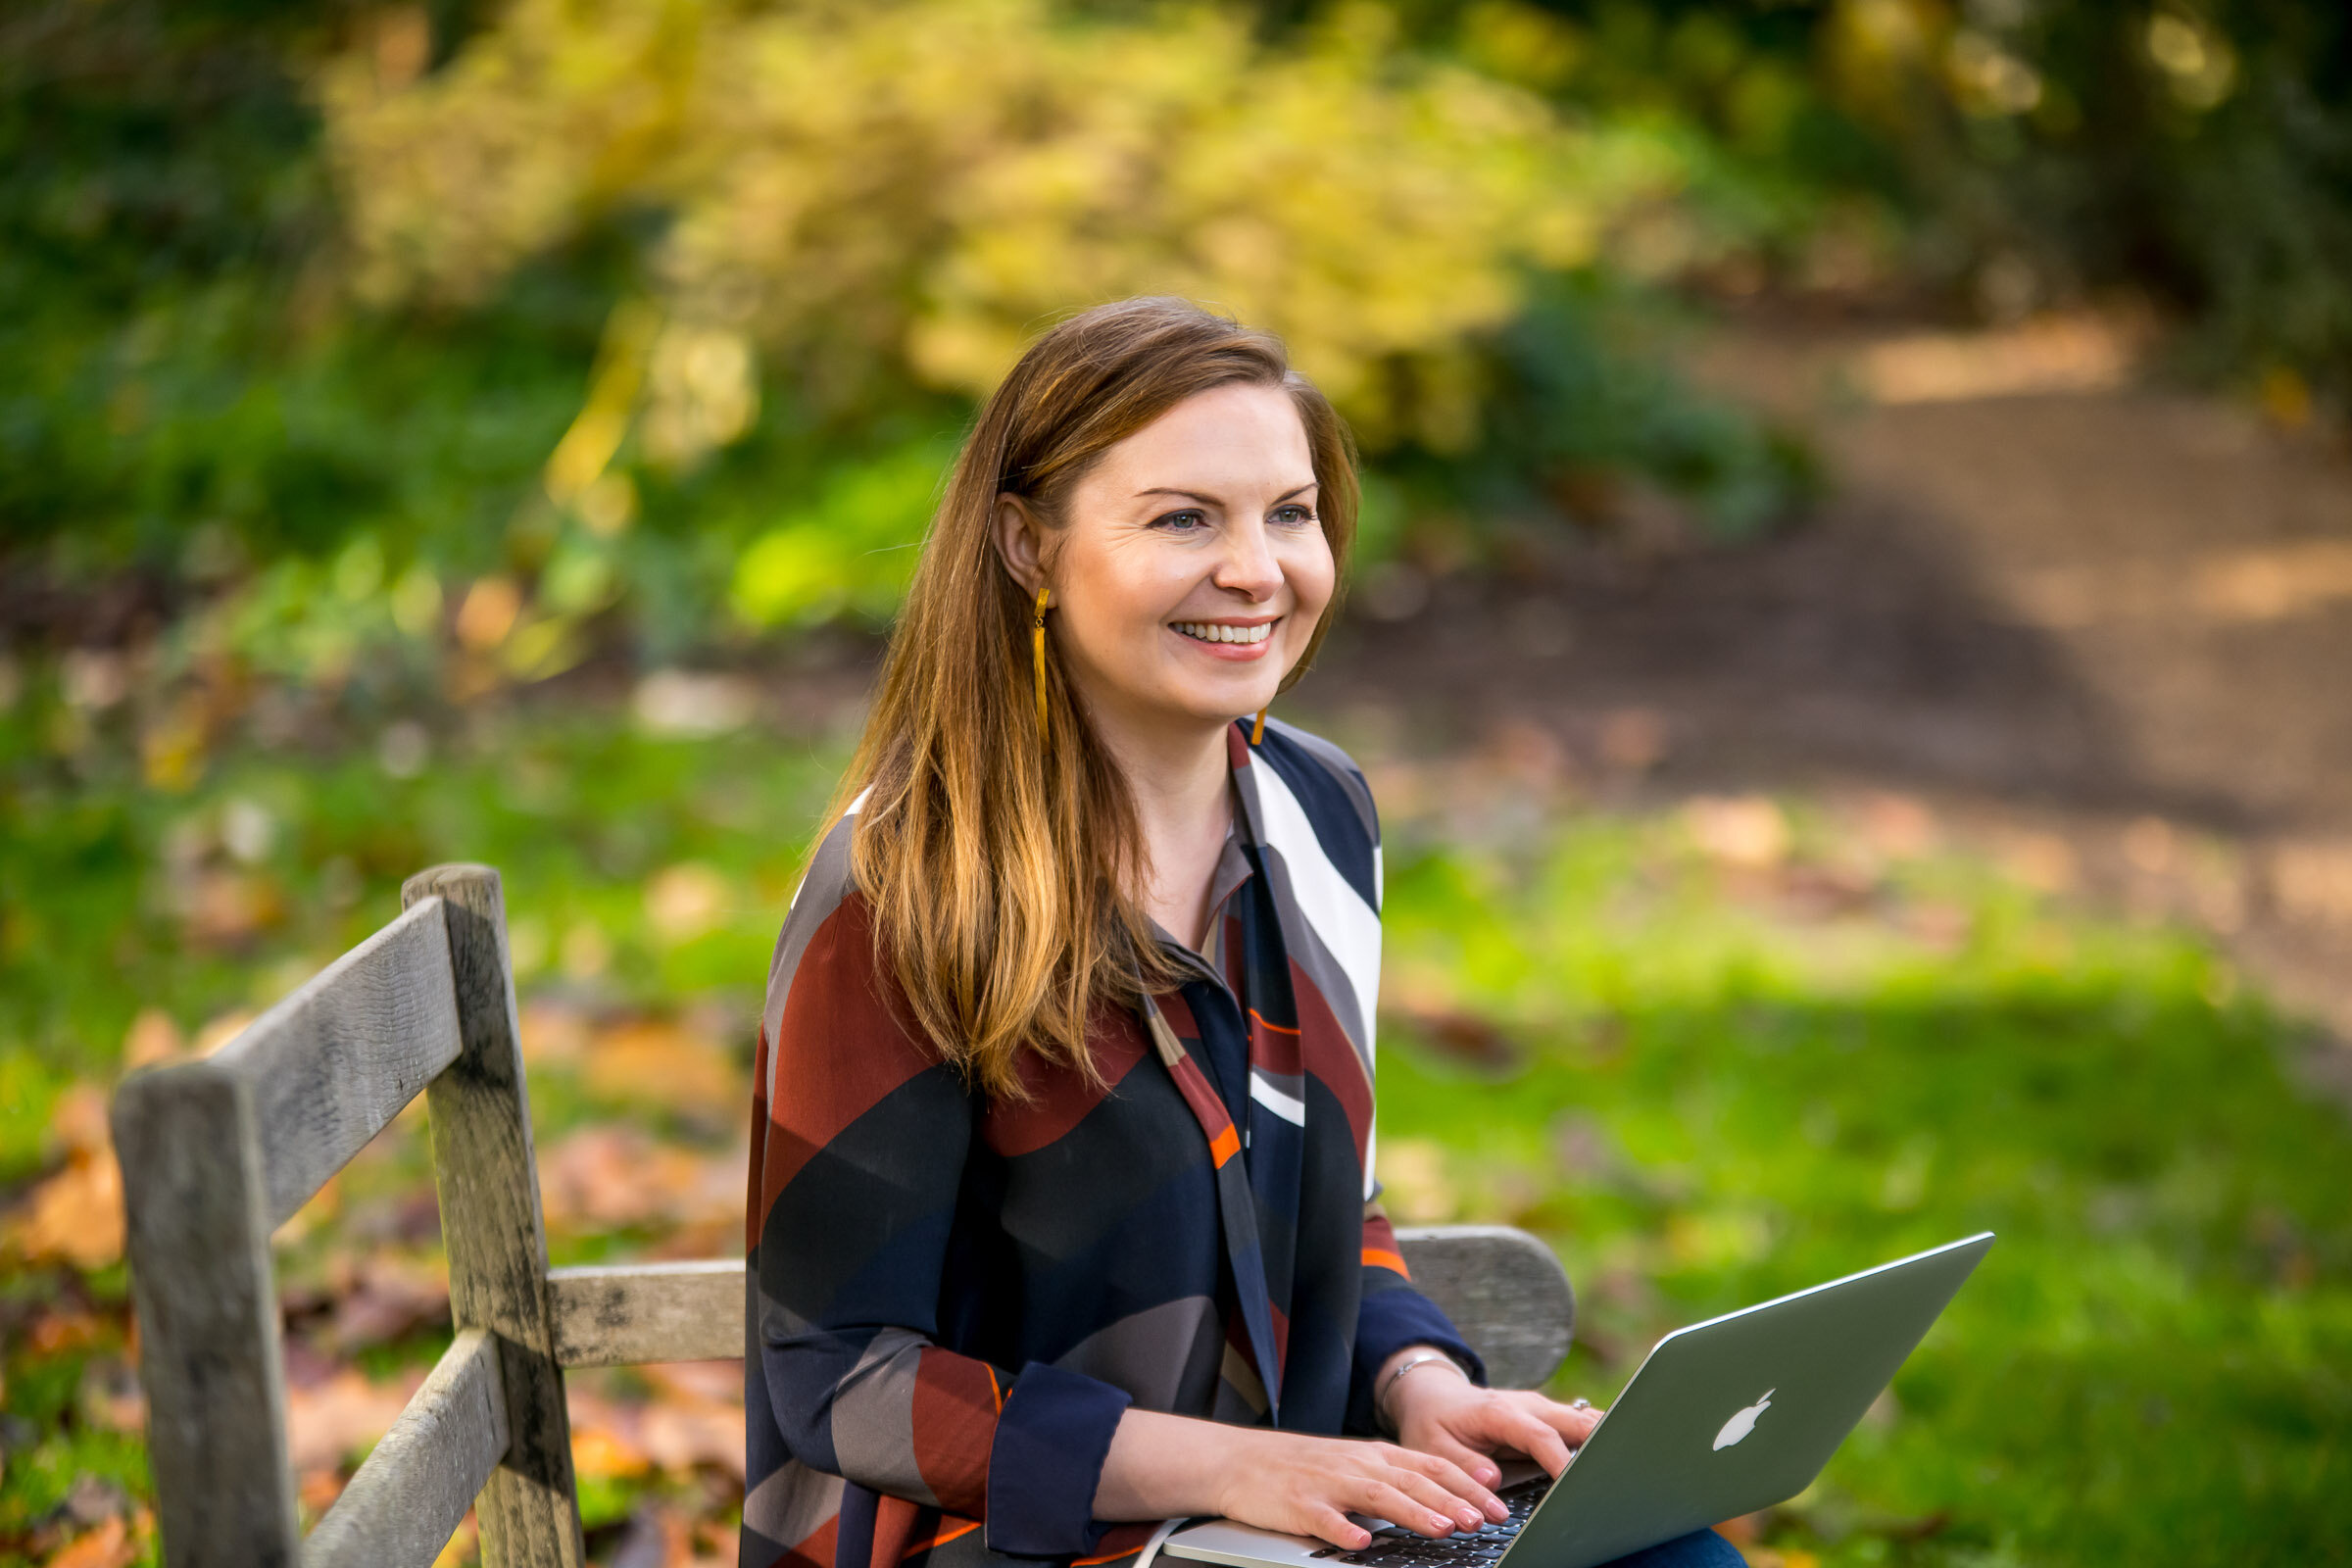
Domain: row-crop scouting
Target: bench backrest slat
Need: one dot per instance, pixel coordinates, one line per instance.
(336, 1060)
(407, 1501)
(1502, 1288)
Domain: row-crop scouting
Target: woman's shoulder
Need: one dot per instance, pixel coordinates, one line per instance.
(826, 928)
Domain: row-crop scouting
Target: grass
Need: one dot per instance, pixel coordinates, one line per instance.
(1714, 1085)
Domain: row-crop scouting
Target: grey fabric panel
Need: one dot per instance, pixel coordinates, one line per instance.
(792, 1505)
(873, 1417)
(822, 888)
(1165, 1358)
(1342, 767)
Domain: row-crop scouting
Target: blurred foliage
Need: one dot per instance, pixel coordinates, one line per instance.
(331, 337)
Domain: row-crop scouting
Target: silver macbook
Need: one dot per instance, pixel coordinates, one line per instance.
(1723, 1418)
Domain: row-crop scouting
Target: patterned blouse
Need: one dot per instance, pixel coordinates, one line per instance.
(954, 1298)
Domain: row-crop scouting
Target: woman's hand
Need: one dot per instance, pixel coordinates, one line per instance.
(1162, 1466)
(1439, 1413)
(1307, 1485)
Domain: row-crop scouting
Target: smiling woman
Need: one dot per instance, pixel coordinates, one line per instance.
(1063, 1220)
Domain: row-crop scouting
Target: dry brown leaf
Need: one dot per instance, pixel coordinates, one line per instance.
(153, 1038)
(553, 1033)
(670, 1434)
(1747, 831)
(219, 1031)
(110, 1545)
(659, 1061)
(328, 1421)
(77, 1121)
(384, 1297)
(686, 901)
(74, 1216)
(610, 1176)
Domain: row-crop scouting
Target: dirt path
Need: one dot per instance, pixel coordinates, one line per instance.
(2044, 594)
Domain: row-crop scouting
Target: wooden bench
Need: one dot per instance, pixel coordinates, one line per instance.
(217, 1153)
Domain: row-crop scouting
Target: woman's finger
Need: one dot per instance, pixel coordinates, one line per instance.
(1326, 1523)
(1411, 1478)
(1569, 1421)
(1447, 1472)
(1389, 1500)
(1536, 1439)
(1477, 1467)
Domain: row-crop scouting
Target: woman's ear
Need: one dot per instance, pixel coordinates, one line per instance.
(1021, 542)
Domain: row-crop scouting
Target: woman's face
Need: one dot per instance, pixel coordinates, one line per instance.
(1192, 566)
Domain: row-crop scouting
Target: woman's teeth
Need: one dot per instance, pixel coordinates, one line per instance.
(1209, 631)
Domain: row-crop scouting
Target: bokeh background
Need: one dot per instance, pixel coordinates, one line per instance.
(1851, 649)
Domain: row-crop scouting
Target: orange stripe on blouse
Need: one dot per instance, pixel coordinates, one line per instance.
(1277, 1028)
(1380, 1258)
(947, 1533)
(1224, 1145)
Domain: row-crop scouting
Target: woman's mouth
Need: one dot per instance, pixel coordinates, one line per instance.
(1211, 632)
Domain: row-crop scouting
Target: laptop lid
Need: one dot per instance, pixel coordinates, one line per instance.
(1741, 1412)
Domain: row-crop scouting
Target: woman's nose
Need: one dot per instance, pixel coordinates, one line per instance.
(1248, 565)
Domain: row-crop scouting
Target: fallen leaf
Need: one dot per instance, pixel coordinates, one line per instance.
(328, 1422)
(686, 901)
(109, 1396)
(658, 1061)
(1746, 831)
(153, 1038)
(108, 1547)
(219, 1031)
(386, 1298)
(610, 1176)
(553, 1034)
(75, 1216)
(77, 1121)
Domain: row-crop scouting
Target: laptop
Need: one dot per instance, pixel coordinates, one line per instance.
(1722, 1419)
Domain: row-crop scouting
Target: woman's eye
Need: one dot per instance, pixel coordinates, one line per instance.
(1293, 514)
(1184, 521)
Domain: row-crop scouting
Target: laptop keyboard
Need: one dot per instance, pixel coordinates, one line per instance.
(1395, 1547)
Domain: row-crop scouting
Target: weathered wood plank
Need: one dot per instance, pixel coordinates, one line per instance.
(493, 1231)
(1503, 1288)
(332, 1063)
(630, 1315)
(208, 1354)
(407, 1501)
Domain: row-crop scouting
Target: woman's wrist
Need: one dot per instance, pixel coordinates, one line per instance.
(1391, 1392)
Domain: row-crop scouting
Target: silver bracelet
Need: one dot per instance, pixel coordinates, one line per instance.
(1417, 1358)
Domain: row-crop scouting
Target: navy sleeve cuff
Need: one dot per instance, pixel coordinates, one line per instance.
(1386, 1322)
(1046, 1460)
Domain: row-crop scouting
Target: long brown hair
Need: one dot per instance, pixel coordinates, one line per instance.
(1002, 870)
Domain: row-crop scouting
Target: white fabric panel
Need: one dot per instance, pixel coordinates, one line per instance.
(1349, 926)
(1289, 1107)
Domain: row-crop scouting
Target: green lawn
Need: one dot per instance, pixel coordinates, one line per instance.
(1707, 1083)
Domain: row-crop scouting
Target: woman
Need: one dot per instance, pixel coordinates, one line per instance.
(1062, 1217)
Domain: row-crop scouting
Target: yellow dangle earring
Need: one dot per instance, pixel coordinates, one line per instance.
(1037, 644)
(1257, 731)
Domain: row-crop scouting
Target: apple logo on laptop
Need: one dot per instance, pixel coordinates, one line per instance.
(1742, 1422)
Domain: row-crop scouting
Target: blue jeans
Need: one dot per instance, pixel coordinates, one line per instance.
(1701, 1549)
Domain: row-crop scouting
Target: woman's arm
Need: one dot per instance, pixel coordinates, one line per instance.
(857, 1164)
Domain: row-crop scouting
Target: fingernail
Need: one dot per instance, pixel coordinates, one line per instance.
(1488, 1475)
(1438, 1521)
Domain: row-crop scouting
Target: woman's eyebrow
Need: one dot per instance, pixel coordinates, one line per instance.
(1215, 501)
